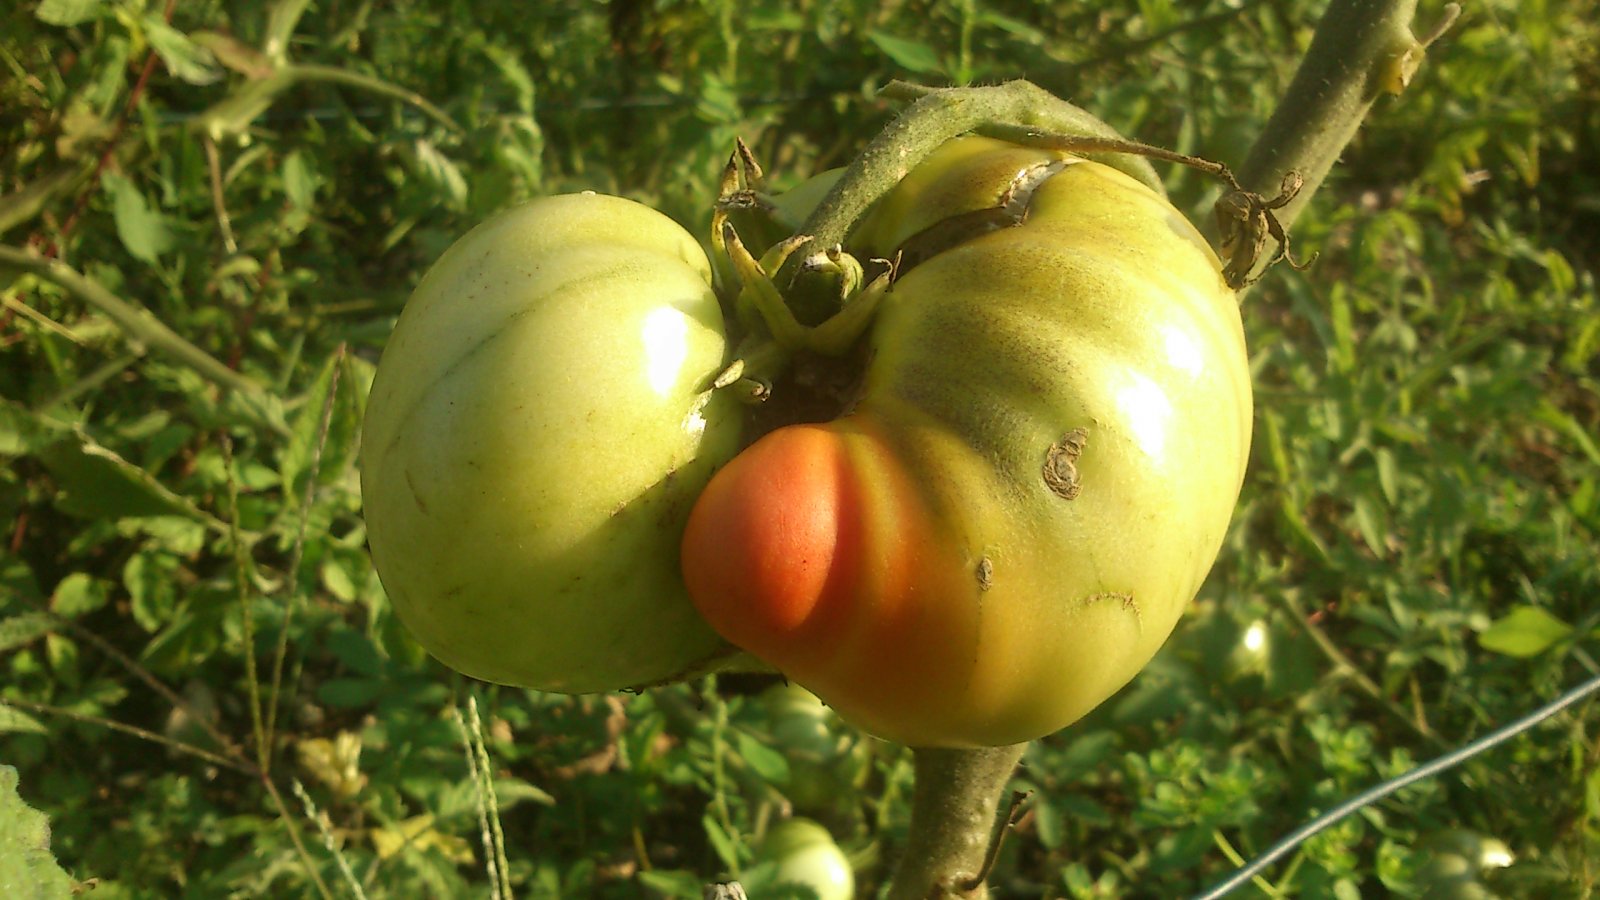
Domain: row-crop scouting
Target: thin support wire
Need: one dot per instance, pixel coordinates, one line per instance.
(1374, 794)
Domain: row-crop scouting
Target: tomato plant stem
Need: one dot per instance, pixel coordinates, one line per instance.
(952, 821)
(1361, 50)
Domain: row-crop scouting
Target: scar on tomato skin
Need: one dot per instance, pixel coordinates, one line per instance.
(416, 496)
(1061, 464)
(1125, 600)
(985, 574)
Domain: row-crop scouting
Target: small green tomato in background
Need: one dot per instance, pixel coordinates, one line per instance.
(540, 425)
(806, 857)
(828, 762)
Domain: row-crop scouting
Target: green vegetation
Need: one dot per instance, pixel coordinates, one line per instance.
(208, 695)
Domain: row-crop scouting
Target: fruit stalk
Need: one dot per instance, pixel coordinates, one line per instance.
(952, 821)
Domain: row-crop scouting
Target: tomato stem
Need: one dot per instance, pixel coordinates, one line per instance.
(1362, 49)
(953, 810)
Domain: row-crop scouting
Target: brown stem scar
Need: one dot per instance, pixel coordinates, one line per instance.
(985, 574)
(1061, 464)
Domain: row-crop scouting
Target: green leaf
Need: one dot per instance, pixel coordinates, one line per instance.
(97, 483)
(26, 628)
(344, 426)
(1370, 522)
(15, 721)
(909, 55)
(79, 594)
(441, 171)
(672, 882)
(1525, 631)
(299, 180)
(337, 580)
(25, 859)
(509, 792)
(149, 578)
(186, 60)
(721, 842)
(767, 762)
(68, 12)
(142, 230)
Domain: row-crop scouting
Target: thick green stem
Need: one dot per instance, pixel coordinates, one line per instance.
(935, 117)
(952, 822)
(137, 322)
(1362, 48)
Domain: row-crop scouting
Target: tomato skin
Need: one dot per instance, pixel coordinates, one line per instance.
(1039, 473)
(537, 431)
(805, 856)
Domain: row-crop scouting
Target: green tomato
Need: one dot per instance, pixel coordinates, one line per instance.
(806, 856)
(538, 429)
(1035, 479)
(827, 766)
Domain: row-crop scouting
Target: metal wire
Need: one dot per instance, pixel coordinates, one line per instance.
(1373, 795)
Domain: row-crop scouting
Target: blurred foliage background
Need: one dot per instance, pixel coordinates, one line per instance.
(249, 192)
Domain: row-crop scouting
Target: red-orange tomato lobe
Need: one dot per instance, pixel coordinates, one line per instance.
(764, 540)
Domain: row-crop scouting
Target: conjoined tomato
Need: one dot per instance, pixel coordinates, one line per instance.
(540, 424)
(1035, 480)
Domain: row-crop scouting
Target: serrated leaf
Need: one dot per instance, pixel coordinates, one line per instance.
(142, 230)
(1524, 632)
(185, 59)
(441, 170)
(68, 12)
(909, 55)
(27, 868)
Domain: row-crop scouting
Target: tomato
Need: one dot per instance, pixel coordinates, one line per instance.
(1035, 480)
(806, 857)
(539, 427)
(827, 767)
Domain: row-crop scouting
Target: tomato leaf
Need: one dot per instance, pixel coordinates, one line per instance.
(910, 55)
(1524, 632)
(767, 762)
(727, 851)
(25, 859)
(18, 630)
(68, 12)
(184, 58)
(142, 230)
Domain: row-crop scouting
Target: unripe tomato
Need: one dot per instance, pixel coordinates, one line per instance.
(1037, 476)
(827, 767)
(538, 429)
(805, 856)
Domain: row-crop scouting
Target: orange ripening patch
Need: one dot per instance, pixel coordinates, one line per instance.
(769, 536)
